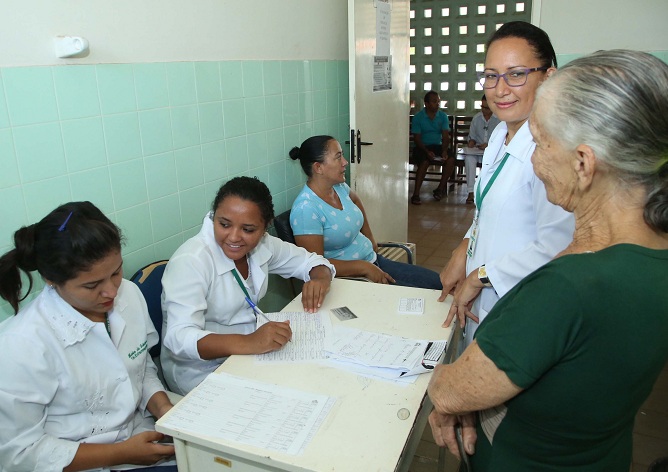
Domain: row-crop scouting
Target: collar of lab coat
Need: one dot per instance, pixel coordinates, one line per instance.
(72, 327)
(521, 143)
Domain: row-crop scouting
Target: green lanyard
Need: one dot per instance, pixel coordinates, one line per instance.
(106, 324)
(241, 284)
(479, 198)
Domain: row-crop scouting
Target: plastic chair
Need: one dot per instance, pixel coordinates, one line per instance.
(149, 281)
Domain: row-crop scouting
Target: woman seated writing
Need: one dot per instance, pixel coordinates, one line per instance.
(79, 390)
(214, 281)
(554, 371)
(328, 218)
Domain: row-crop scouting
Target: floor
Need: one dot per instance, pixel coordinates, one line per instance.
(437, 228)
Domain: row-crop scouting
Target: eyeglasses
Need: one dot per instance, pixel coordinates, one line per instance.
(514, 78)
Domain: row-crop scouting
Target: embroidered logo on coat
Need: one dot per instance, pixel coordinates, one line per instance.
(141, 348)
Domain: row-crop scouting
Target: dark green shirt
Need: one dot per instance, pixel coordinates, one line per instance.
(586, 336)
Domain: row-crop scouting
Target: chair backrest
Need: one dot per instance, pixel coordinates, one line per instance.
(283, 228)
(462, 126)
(149, 281)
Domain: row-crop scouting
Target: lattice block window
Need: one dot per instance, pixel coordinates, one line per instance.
(450, 36)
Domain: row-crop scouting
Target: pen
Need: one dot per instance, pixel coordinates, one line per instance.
(256, 309)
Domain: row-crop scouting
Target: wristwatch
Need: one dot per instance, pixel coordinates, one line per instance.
(482, 276)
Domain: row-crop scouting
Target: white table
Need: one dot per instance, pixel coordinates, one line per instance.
(363, 431)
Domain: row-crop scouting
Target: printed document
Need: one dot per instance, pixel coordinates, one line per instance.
(309, 331)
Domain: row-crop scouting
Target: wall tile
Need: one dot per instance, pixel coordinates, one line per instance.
(237, 152)
(211, 190)
(13, 216)
(294, 175)
(332, 71)
(76, 91)
(234, 118)
(274, 111)
(185, 126)
(257, 150)
(156, 131)
(342, 72)
(271, 71)
(305, 107)
(121, 135)
(31, 96)
(319, 104)
(167, 247)
(256, 117)
(207, 78)
(290, 76)
(134, 260)
(116, 84)
(319, 74)
(332, 103)
(290, 109)
(162, 212)
(214, 160)
(128, 184)
(151, 86)
(181, 83)
(261, 173)
(344, 102)
(43, 196)
(95, 186)
(135, 223)
(305, 131)
(231, 79)
(211, 122)
(305, 76)
(189, 167)
(276, 181)
(194, 205)
(83, 141)
(160, 175)
(291, 137)
(252, 78)
(39, 151)
(9, 176)
(276, 145)
(4, 115)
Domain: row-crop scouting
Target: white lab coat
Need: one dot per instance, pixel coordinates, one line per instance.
(519, 229)
(64, 381)
(201, 296)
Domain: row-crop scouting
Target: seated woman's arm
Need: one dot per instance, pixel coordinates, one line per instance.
(366, 228)
(358, 268)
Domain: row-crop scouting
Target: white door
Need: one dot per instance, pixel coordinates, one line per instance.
(380, 174)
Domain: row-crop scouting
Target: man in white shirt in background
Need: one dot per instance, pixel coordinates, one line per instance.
(482, 125)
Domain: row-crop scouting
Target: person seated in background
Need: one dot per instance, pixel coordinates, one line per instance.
(554, 375)
(482, 125)
(328, 218)
(431, 135)
(214, 281)
(79, 389)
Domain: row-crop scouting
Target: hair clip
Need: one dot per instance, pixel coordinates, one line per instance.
(62, 227)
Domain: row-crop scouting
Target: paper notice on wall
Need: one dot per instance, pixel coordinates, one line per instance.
(382, 73)
(383, 23)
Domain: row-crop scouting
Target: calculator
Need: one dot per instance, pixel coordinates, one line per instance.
(432, 355)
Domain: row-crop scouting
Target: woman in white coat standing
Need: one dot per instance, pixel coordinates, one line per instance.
(214, 280)
(78, 389)
(515, 229)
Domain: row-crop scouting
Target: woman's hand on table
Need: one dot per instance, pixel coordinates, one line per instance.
(465, 293)
(271, 336)
(313, 293)
(455, 272)
(376, 274)
(144, 448)
(443, 429)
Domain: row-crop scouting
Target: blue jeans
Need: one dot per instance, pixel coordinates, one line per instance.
(409, 275)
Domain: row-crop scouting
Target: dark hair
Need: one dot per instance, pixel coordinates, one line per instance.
(251, 189)
(536, 37)
(431, 92)
(67, 241)
(312, 150)
(484, 97)
(615, 101)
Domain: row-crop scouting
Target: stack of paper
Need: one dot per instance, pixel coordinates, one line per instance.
(377, 354)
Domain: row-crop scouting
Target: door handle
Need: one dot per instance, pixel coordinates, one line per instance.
(360, 143)
(352, 146)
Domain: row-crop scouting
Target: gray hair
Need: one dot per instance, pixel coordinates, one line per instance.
(616, 102)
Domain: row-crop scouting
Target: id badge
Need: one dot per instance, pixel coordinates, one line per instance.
(473, 238)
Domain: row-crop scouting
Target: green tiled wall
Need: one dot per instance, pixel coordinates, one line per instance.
(150, 144)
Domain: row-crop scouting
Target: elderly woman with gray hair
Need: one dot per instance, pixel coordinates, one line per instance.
(559, 368)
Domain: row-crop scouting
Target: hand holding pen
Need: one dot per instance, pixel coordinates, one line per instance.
(272, 334)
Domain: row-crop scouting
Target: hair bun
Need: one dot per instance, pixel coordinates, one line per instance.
(294, 153)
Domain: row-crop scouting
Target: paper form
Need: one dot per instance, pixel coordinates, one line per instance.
(246, 411)
(375, 349)
(309, 331)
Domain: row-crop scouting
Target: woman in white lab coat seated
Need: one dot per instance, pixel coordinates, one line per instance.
(213, 282)
(79, 390)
